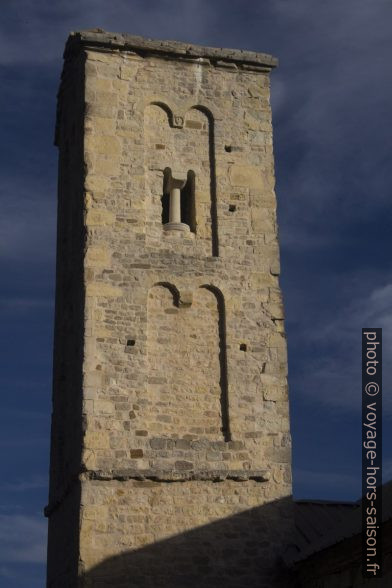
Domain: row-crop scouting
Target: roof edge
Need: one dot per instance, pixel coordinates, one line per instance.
(124, 42)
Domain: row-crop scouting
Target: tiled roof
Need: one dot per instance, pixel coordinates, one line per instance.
(322, 524)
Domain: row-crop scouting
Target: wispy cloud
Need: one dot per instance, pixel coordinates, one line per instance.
(24, 304)
(27, 221)
(44, 26)
(331, 376)
(22, 539)
(330, 110)
(33, 483)
(24, 414)
(34, 33)
(326, 91)
(8, 573)
(23, 442)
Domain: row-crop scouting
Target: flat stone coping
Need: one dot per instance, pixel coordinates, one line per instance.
(152, 475)
(125, 42)
(178, 476)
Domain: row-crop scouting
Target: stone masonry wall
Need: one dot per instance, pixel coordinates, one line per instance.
(185, 404)
(66, 434)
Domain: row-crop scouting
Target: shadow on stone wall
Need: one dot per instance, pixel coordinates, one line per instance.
(241, 551)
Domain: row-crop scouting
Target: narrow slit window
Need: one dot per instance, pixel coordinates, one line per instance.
(188, 208)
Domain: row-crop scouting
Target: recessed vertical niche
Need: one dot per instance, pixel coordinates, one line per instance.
(199, 155)
(189, 152)
(187, 372)
(159, 153)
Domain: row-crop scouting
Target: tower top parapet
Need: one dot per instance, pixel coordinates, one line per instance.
(98, 38)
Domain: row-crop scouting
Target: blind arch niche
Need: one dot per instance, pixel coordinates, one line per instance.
(187, 373)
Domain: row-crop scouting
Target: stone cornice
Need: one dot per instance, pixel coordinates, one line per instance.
(178, 476)
(163, 476)
(102, 40)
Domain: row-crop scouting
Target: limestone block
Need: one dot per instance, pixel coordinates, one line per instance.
(257, 280)
(103, 289)
(277, 340)
(102, 125)
(103, 144)
(97, 439)
(128, 72)
(275, 267)
(251, 121)
(203, 196)
(99, 217)
(103, 407)
(276, 310)
(98, 84)
(120, 87)
(94, 109)
(97, 256)
(246, 175)
(102, 57)
(261, 221)
(274, 393)
(108, 166)
(96, 184)
(257, 90)
(106, 98)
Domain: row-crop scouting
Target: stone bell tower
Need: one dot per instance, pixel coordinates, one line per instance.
(170, 460)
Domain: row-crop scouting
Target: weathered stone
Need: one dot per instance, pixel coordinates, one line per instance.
(246, 175)
(103, 144)
(103, 289)
(170, 421)
(136, 453)
(97, 217)
(183, 465)
(175, 49)
(97, 256)
(97, 440)
(158, 443)
(103, 407)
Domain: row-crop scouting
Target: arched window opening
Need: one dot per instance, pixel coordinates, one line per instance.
(178, 201)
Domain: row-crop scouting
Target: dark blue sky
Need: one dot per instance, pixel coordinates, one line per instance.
(331, 100)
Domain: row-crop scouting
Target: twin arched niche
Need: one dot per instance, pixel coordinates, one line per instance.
(185, 146)
(187, 367)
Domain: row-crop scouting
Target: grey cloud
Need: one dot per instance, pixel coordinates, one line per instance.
(332, 377)
(28, 220)
(33, 483)
(20, 305)
(332, 107)
(35, 32)
(22, 539)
